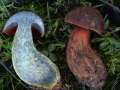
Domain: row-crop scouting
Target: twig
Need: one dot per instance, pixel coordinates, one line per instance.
(114, 7)
(116, 30)
(11, 73)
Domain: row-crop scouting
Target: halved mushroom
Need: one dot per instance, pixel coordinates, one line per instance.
(31, 66)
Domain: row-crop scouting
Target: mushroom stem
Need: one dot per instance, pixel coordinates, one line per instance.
(80, 37)
(83, 60)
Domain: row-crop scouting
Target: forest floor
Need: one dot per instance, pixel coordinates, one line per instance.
(57, 32)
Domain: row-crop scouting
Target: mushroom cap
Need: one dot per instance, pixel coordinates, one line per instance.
(86, 17)
(32, 19)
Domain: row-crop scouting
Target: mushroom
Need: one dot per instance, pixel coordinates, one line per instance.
(82, 60)
(31, 66)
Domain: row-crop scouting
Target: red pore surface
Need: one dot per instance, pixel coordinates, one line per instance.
(11, 31)
(86, 17)
(85, 64)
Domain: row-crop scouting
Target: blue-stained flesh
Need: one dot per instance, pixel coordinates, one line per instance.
(32, 67)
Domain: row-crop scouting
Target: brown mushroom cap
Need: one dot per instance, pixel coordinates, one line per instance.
(86, 17)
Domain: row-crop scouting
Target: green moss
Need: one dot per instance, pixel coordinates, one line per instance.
(110, 51)
(5, 48)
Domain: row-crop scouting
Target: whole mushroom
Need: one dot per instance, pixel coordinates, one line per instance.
(82, 60)
(31, 66)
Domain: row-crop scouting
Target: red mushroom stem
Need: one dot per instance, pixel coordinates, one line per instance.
(83, 60)
(80, 38)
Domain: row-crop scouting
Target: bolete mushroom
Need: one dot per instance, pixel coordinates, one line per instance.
(82, 60)
(31, 66)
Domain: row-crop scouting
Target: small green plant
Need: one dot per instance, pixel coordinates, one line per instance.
(110, 51)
